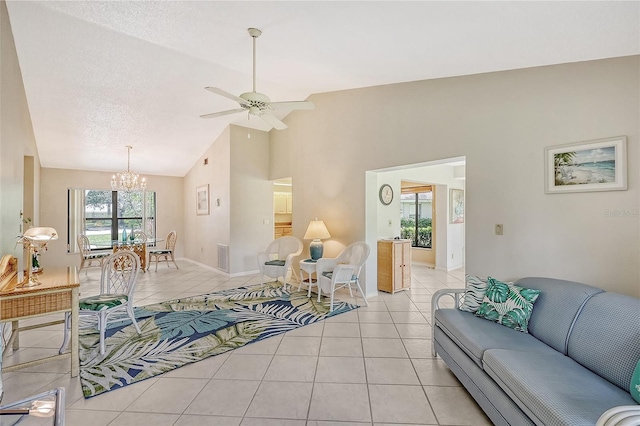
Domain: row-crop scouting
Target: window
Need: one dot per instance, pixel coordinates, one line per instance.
(91, 212)
(416, 214)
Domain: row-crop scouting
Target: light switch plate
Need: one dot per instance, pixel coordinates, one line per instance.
(499, 229)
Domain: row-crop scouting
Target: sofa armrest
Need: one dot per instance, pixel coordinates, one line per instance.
(456, 294)
(622, 415)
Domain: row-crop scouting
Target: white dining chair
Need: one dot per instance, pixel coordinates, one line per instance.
(117, 284)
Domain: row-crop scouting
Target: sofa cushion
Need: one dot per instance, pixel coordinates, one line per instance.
(553, 389)
(556, 308)
(507, 304)
(606, 337)
(494, 401)
(475, 335)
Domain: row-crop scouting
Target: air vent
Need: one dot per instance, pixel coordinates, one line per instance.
(223, 257)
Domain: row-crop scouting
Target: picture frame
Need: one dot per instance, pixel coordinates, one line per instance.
(456, 205)
(202, 200)
(597, 165)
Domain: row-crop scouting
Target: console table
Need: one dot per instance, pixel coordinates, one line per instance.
(57, 292)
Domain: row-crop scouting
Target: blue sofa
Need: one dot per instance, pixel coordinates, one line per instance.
(575, 363)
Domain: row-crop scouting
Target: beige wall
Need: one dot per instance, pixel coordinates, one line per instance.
(205, 232)
(251, 198)
(237, 175)
(501, 122)
(53, 200)
(16, 141)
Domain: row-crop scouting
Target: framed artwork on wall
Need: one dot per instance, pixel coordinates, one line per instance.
(202, 200)
(598, 165)
(456, 205)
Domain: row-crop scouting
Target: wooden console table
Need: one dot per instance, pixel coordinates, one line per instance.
(58, 292)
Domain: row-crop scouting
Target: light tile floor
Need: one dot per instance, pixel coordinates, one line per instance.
(371, 366)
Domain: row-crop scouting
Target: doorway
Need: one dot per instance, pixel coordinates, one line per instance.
(384, 221)
(282, 207)
(418, 220)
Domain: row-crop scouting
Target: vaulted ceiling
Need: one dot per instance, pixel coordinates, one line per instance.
(102, 75)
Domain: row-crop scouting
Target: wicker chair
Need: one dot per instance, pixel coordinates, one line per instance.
(139, 237)
(166, 253)
(117, 284)
(342, 271)
(276, 260)
(88, 257)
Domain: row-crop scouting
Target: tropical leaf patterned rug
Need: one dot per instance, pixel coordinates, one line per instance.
(183, 331)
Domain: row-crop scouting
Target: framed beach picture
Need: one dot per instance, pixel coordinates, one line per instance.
(456, 205)
(598, 165)
(202, 200)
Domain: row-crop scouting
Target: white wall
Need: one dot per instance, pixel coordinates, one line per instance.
(55, 184)
(501, 123)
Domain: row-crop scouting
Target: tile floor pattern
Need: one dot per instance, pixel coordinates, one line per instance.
(371, 366)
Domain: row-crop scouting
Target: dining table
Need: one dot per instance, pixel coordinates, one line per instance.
(139, 247)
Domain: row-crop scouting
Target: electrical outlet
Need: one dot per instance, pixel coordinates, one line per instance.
(499, 229)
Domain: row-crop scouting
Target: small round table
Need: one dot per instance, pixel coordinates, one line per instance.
(308, 266)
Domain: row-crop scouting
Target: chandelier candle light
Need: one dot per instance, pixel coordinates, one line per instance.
(128, 181)
(316, 231)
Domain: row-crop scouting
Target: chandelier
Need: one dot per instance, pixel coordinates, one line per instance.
(128, 181)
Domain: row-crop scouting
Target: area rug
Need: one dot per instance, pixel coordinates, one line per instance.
(183, 331)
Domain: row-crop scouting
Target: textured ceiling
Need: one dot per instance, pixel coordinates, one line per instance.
(102, 75)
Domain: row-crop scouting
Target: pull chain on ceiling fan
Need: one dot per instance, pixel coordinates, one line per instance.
(255, 103)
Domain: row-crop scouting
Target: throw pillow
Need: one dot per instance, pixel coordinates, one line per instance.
(508, 304)
(474, 295)
(635, 383)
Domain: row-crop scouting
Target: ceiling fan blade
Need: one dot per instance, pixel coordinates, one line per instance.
(292, 105)
(227, 95)
(273, 121)
(221, 113)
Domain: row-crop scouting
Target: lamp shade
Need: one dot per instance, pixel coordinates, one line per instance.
(316, 231)
(40, 234)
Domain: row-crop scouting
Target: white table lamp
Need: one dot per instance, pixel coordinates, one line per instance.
(32, 239)
(316, 231)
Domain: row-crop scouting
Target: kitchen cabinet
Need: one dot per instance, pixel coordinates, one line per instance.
(394, 265)
(282, 203)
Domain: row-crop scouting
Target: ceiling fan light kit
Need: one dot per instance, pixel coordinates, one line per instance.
(255, 103)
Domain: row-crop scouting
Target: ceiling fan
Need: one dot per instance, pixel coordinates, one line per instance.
(256, 103)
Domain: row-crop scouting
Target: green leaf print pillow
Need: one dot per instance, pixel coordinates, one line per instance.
(507, 304)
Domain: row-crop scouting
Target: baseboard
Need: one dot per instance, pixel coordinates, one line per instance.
(221, 272)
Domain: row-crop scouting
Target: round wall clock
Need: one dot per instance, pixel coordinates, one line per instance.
(386, 194)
